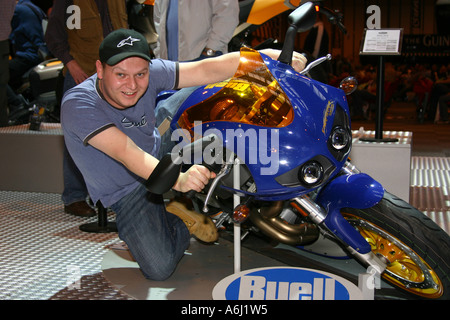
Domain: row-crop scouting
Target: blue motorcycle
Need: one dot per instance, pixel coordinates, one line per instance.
(280, 141)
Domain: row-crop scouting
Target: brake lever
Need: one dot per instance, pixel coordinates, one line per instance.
(224, 170)
(314, 64)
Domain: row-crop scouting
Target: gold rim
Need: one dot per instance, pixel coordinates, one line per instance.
(405, 268)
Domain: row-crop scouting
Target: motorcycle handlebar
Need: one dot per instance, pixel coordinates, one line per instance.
(168, 169)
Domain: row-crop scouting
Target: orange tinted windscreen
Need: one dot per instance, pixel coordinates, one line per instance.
(253, 96)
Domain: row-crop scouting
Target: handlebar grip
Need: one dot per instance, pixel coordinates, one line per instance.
(191, 194)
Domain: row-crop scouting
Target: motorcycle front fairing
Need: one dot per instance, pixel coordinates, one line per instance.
(303, 114)
(286, 118)
(343, 190)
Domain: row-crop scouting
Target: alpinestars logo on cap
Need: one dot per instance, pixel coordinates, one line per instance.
(128, 41)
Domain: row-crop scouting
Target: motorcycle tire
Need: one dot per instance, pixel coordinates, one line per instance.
(416, 249)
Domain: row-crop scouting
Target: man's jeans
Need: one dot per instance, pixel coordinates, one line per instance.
(156, 239)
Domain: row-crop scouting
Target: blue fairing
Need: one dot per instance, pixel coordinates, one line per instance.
(299, 141)
(349, 191)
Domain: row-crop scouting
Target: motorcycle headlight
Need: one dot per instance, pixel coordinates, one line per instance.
(339, 138)
(311, 173)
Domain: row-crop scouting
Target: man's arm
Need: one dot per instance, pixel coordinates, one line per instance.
(121, 148)
(223, 67)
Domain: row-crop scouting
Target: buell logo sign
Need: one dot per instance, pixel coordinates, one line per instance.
(285, 283)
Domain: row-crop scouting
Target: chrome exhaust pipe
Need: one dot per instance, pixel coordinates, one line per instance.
(269, 222)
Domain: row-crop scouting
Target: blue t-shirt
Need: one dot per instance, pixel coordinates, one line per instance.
(84, 113)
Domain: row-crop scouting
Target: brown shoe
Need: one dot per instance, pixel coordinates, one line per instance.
(198, 224)
(80, 209)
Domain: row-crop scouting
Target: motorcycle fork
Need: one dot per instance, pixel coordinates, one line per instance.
(340, 226)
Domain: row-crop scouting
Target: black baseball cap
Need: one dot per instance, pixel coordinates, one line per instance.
(121, 44)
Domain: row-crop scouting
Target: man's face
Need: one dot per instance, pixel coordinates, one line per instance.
(123, 84)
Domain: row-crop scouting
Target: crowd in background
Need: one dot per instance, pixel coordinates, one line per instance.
(424, 84)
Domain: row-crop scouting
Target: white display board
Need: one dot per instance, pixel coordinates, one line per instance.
(381, 42)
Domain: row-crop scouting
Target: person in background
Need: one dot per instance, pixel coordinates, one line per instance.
(27, 40)
(438, 96)
(29, 49)
(6, 13)
(77, 48)
(194, 29)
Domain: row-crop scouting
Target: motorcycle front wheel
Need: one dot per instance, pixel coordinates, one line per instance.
(416, 250)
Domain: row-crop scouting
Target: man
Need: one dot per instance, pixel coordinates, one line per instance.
(109, 129)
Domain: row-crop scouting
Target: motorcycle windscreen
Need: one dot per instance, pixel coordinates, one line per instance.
(253, 96)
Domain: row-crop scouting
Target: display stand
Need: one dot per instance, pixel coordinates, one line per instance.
(381, 42)
(237, 226)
